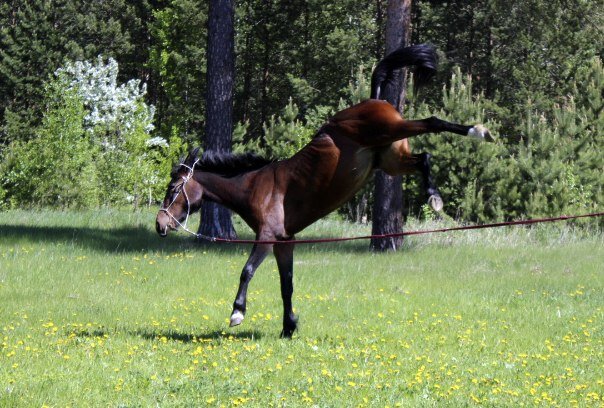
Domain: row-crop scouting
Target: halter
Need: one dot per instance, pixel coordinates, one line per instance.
(185, 179)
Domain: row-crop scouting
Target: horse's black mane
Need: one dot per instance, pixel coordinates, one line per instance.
(228, 164)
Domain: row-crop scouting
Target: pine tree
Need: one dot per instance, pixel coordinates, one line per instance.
(29, 51)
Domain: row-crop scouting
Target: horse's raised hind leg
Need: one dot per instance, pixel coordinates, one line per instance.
(409, 128)
(256, 257)
(284, 253)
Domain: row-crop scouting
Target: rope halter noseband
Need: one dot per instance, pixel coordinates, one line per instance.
(182, 189)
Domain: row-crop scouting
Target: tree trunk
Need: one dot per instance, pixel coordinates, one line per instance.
(379, 33)
(388, 192)
(215, 219)
(266, 60)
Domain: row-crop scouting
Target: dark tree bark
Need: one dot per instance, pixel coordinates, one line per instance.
(388, 192)
(215, 219)
(266, 61)
(379, 33)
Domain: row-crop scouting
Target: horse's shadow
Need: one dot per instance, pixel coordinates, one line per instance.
(143, 239)
(215, 335)
(180, 337)
(110, 240)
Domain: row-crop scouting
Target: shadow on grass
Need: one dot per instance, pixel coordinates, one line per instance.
(172, 335)
(137, 239)
(190, 338)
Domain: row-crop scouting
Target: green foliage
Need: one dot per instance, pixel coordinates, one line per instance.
(38, 36)
(462, 167)
(93, 146)
(178, 60)
(359, 88)
(284, 135)
(304, 50)
(56, 167)
(557, 167)
(533, 67)
(131, 170)
(552, 166)
(515, 50)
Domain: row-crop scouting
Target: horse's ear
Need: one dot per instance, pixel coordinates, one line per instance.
(192, 156)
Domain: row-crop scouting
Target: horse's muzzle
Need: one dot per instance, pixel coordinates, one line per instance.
(162, 224)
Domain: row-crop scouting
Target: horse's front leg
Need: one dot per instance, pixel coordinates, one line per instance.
(284, 253)
(257, 255)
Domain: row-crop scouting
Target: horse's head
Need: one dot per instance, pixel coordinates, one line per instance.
(183, 197)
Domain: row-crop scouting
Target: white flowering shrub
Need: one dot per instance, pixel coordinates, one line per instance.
(109, 103)
(96, 136)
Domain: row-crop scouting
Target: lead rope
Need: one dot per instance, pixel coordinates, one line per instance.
(400, 234)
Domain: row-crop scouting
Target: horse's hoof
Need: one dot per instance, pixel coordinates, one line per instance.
(289, 327)
(481, 132)
(288, 332)
(236, 318)
(435, 202)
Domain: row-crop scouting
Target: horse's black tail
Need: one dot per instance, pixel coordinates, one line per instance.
(422, 56)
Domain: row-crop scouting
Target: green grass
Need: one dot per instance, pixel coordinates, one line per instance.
(95, 310)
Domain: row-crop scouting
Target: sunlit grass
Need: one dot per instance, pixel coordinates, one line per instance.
(96, 310)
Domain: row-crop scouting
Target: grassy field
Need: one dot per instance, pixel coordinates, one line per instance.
(96, 310)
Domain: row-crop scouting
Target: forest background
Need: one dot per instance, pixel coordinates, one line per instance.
(99, 99)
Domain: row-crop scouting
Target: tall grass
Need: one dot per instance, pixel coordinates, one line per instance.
(96, 310)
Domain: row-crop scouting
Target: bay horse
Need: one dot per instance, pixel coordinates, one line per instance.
(278, 199)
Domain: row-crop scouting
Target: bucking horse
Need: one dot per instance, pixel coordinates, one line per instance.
(278, 199)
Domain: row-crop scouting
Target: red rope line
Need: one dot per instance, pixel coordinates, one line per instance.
(402, 234)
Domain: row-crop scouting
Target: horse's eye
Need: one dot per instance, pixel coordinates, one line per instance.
(176, 189)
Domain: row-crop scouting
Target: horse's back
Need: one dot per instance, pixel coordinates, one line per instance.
(367, 122)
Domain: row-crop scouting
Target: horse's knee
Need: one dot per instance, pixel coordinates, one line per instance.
(247, 274)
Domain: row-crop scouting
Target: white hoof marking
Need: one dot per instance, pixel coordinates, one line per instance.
(480, 132)
(236, 318)
(477, 132)
(436, 203)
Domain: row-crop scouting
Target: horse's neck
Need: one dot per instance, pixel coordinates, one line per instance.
(226, 191)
